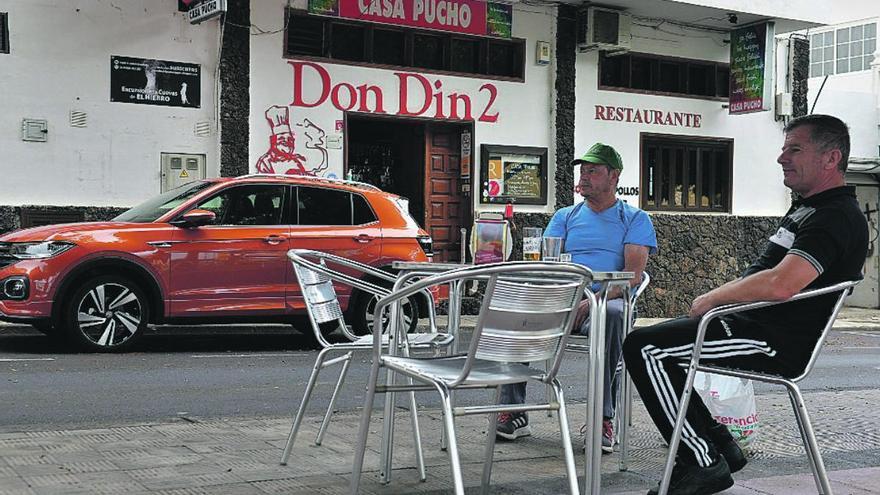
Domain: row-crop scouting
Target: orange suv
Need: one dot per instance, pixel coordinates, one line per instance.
(211, 251)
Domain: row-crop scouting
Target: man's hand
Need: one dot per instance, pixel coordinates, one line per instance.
(701, 305)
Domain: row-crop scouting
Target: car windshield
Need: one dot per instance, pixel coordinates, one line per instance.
(153, 208)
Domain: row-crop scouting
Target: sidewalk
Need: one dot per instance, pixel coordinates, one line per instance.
(239, 456)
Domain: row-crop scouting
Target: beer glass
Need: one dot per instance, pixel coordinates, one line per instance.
(532, 243)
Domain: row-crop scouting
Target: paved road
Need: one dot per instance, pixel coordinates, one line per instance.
(43, 386)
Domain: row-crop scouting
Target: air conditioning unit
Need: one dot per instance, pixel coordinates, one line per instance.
(604, 29)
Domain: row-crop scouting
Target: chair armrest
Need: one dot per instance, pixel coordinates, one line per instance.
(737, 308)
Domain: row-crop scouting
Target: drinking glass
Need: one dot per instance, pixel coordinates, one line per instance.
(551, 248)
(532, 243)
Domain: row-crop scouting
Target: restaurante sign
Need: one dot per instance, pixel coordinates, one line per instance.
(461, 16)
(648, 116)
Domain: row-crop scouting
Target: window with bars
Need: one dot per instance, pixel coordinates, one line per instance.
(369, 43)
(843, 50)
(681, 174)
(646, 73)
(4, 32)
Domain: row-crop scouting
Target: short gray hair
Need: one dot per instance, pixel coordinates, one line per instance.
(827, 133)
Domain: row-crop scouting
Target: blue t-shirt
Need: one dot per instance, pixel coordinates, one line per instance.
(596, 240)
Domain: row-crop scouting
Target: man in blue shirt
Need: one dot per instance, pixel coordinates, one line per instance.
(605, 234)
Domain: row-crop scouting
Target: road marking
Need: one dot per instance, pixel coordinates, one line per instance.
(12, 360)
(863, 334)
(209, 356)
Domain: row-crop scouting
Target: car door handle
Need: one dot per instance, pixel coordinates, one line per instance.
(274, 239)
(364, 238)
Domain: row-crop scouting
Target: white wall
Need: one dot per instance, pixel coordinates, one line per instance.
(757, 178)
(524, 109)
(60, 61)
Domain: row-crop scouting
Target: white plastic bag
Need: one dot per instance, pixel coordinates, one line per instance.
(731, 401)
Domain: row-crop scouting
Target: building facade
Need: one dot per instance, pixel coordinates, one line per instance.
(462, 106)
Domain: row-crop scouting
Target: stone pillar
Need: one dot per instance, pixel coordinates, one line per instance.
(800, 71)
(235, 89)
(566, 52)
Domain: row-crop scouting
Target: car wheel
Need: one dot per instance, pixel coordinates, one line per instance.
(362, 322)
(106, 314)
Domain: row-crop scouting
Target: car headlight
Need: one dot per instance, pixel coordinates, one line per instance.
(36, 250)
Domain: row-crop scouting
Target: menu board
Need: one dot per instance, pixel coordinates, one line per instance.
(749, 65)
(513, 174)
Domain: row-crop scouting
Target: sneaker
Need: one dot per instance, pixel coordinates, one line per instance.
(696, 480)
(513, 425)
(607, 436)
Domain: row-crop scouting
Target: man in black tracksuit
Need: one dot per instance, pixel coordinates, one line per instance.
(822, 240)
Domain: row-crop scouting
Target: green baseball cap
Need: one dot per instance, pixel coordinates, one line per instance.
(601, 154)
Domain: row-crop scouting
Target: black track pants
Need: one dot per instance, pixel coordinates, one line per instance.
(653, 357)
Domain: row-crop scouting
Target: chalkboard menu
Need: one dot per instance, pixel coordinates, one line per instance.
(513, 174)
(749, 65)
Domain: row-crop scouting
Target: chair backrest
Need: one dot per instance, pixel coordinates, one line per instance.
(525, 316)
(846, 289)
(322, 304)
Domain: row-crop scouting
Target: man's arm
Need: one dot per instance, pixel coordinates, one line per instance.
(779, 283)
(635, 258)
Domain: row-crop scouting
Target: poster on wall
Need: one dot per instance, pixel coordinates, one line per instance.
(155, 82)
(513, 174)
(476, 17)
(750, 62)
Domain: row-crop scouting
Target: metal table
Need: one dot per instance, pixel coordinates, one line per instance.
(595, 390)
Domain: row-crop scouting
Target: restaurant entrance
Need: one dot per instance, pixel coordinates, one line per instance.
(421, 161)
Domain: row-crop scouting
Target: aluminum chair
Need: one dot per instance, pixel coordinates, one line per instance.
(316, 283)
(581, 344)
(797, 401)
(526, 315)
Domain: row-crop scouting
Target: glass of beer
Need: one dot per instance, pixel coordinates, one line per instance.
(532, 243)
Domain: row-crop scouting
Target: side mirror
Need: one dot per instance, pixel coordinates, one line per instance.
(194, 218)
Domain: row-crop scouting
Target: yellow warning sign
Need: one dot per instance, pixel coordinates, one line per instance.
(183, 174)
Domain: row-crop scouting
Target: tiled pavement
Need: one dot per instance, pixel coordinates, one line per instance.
(240, 455)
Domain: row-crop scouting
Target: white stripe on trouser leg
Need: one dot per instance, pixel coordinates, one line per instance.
(711, 350)
(668, 400)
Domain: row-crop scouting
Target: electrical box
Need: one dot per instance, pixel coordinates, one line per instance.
(178, 169)
(784, 104)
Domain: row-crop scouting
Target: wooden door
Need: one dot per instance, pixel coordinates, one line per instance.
(445, 205)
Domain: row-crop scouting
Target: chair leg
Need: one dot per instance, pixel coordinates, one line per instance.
(490, 445)
(547, 391)
(342, 374)
(307, 395)
(417, 436)
(809, 437)
(449, 423)
(566, 439)
(675, 438)
(624, 419)
(387, 432)
(364, 429)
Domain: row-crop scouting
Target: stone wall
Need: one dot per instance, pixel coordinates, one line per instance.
(10, 216)
(695, 254)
